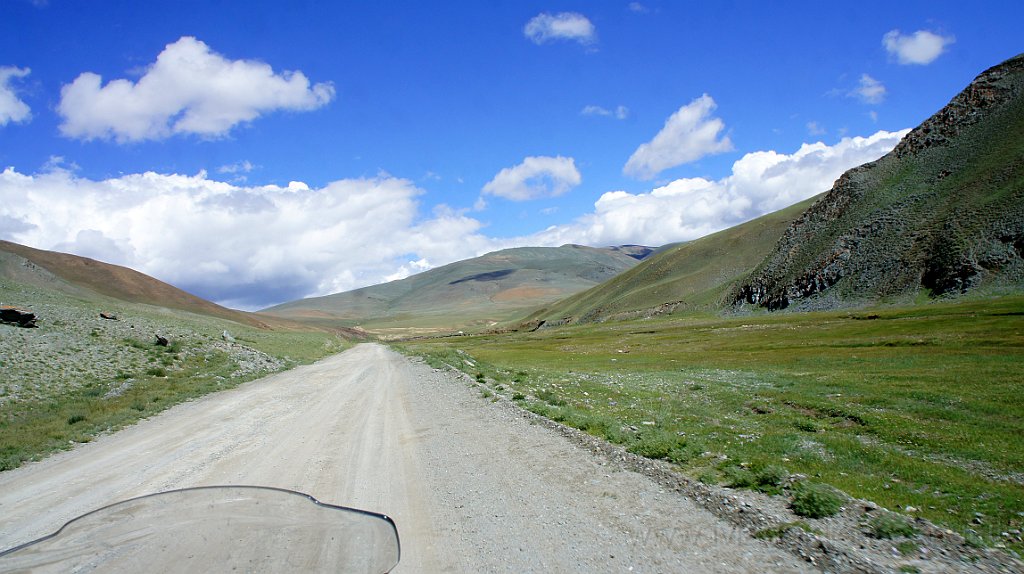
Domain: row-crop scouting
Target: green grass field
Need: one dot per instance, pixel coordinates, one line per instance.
(908, 407)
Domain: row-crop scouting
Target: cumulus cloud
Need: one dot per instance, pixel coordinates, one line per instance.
(545, 27)
(247, 247)
(869, 90)
(534, 178)
(188, 90)
(689, 134)
(619, 113)
(253, 246)
(685, 209)
(921, 47)
(12, 109)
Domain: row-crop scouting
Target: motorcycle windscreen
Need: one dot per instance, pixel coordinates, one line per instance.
(215, 529)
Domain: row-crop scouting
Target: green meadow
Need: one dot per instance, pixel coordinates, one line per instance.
(918, 407)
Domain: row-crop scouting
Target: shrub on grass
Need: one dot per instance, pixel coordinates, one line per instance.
(770, 477)
(76, 418)
(603, 427)
(551, 398)
(738, 477)
(806, 426)
(541, 409)
(815, 500)
(657, 444)
(890, 526)
(708, 477)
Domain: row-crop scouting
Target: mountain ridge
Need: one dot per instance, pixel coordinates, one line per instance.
(943, 212)
(490, 288)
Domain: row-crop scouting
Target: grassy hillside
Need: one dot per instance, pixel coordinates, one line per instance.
(692, 275)
(942, 214)
(79, 374)
(907, 407)
(76, 275)
(471, 293)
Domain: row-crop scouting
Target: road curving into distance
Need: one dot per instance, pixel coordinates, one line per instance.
(472, 487)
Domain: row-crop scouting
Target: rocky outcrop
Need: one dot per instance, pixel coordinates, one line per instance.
(19, 317)
(990, 89)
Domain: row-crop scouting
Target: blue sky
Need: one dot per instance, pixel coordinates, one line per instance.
(258, 152)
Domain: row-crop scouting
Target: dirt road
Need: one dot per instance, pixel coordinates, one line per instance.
(471, 486)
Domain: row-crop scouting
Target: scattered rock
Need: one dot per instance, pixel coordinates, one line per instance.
(19, 317)
(161, 341)
(108, 316)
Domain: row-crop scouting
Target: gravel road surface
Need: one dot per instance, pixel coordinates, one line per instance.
(472, 487)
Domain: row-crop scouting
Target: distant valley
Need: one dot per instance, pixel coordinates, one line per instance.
(472, 294)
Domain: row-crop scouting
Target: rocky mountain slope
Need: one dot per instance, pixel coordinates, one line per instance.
(943, 213)
(478, 291)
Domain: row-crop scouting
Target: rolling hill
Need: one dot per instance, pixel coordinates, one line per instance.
(479, 291)
(81, 276)
(942, 214)
(689, 275)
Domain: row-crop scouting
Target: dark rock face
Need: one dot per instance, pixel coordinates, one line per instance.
(19, 317)
(988, 90)
(944, 211)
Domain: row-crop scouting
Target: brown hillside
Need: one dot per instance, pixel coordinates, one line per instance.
(124, 283)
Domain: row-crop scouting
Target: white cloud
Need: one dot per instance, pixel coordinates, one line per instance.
(685, 209)
(619, 113)
(638, 8)
(870, 90)
(410, 268)
(688, 135)
(253, 246)
(243, 246)
(12, 109)
(244, 166)
(815, 129)
(188, 90)
(544, 28)
(535, 177)
(921, 47)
